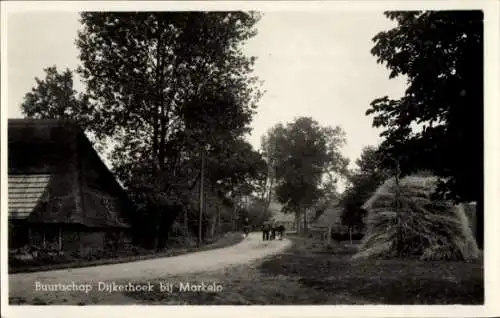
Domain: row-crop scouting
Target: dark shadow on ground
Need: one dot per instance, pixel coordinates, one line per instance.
(399, 281)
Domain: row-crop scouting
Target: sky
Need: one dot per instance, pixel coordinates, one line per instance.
(316, 64)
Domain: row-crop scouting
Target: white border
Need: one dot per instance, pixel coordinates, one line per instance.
(492, 150)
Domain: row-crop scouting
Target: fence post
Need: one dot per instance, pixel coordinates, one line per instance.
(200, 221)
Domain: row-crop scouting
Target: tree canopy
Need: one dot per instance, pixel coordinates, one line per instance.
(167, 83)
(55, 97)
(362, 182)
(438, 124)
(304, 154)
(163, 90)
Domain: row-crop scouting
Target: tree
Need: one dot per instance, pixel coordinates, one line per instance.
(269, 155)
(362, 183)
(164, 86)
(441, 54)
(304, 154)
(55, 98)
(235, 171)
(256, 212)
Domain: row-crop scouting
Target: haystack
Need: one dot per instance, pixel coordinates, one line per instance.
(418, 226)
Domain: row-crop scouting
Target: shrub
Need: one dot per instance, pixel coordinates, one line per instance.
(426, 228)
(31, 255)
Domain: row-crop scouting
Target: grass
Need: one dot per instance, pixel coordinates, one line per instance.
(229, 239)
(311, 274)
(394, 281)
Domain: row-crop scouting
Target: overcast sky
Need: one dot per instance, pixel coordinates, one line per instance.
(315, 64)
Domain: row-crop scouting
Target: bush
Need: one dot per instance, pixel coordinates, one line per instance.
(425, 228)
(344, 236)
(30, 255)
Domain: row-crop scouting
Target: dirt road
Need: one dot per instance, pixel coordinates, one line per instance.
(252, 248)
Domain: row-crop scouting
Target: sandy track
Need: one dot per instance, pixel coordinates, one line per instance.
(250, 249)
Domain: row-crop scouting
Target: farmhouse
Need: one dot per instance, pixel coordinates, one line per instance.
(60, 193)
(330, 217)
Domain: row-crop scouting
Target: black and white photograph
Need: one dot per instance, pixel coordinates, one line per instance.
(245, 156)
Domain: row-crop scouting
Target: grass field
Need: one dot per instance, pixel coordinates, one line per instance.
(310, 274)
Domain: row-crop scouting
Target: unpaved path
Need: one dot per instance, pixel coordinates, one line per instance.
(250, 249)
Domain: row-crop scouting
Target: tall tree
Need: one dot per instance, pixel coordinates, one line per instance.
(269, 154)
(441, 54)
(304, 154)
(159, 78)
(55, 98)
(362, 183)
(165, 86)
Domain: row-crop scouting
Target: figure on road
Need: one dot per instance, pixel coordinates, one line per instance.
(246, 227)
(281, 231)
(266, 227)
(273, 231)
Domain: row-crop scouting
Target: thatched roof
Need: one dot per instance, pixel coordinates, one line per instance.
(39, 150)
(331, 215)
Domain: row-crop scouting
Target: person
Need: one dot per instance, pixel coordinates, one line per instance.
(265, 231)
(273, 231)
(246, 227)
(281, 230)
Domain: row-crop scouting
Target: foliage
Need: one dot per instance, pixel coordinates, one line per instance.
(417, 225)
(441, 113)
(303, 154)
(257, 212)
(55, 97)
(167, 83)
(362, 183)
(165, 87)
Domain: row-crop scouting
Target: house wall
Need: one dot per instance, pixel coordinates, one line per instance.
(18, 233)
(92, 240)
(70, 240)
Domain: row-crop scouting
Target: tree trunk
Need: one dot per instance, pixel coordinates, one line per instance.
(305, 220)
(329, 238)
(157, 236)
(269, 194)
(60, 239)
(297, 221)
(233, 218)
(213, 226)
(213, 220)
(200, 220)
(217, 210)
(398, 210)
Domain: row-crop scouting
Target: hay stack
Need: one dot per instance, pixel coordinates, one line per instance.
(428, 229)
